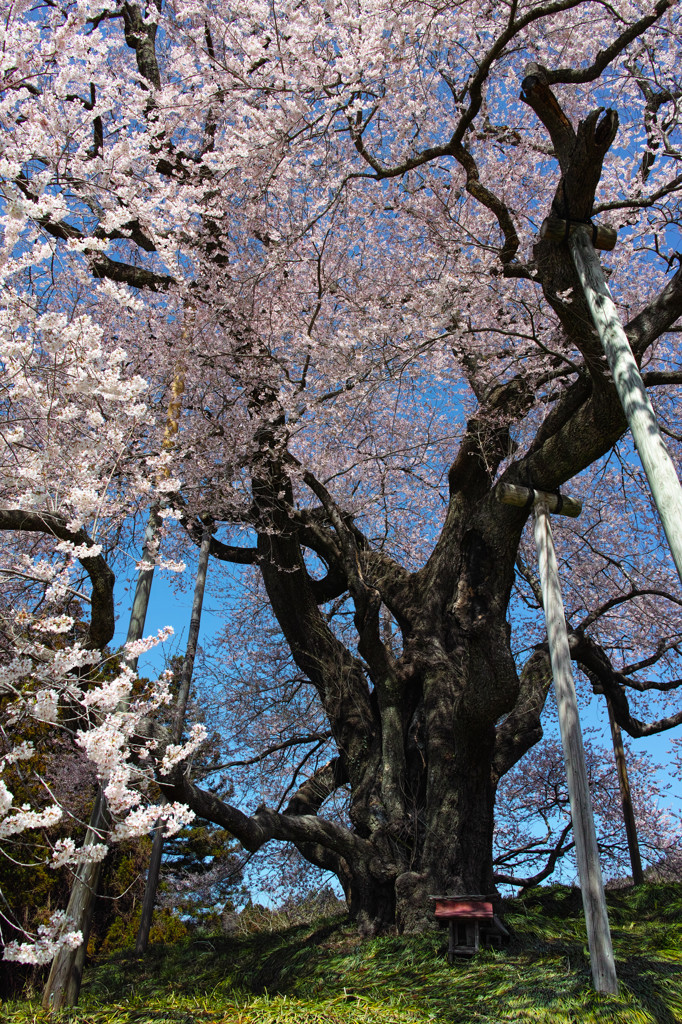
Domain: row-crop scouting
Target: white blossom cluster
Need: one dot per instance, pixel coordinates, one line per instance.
(69, 428)
(110, 717)
(175, 753)
(50, 939)
(75, 411)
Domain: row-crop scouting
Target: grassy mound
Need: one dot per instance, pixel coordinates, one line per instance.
(323, 973)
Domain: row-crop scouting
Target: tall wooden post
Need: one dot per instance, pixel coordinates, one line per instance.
(589, 869)
(626, 798)
(658, 466)
(152, 883)
(150, 888)
(625, 794)
(143, 584)
(66, 971)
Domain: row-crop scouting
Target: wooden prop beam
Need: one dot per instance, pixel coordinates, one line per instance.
(64, 980)
(626, 799)
(66, 972)
(657, 464)
(589, 869)
(625, 793)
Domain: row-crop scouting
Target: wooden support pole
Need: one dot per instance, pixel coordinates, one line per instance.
(66, 972)
(143, 585)
(193, 634)
(589, 870)
(150, 890)
(152, 883)
(64, 981)
(625, 794)
(626, 798)
(658, 466)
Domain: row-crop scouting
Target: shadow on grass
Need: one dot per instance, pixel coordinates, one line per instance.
(197, 966)
(657, 985)
(324, 973)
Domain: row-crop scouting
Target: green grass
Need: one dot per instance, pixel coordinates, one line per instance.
(323, 974)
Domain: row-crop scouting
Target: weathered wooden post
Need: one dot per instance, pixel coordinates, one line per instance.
(657, 464)
(625, 794)
(589, 869)
(626, 799)
(66, 972)
(152, 884)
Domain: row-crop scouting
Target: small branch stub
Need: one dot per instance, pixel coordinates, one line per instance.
(556, 230)
(526, 497)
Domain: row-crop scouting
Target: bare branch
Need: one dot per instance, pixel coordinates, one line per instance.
(573, 76)
(561, 848)
(294, 741)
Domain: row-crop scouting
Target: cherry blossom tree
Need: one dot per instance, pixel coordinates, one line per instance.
(533, 835)
(321, 222)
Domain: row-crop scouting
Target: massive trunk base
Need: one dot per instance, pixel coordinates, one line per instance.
(453, 857)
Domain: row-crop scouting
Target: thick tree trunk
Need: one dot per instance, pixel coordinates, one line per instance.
(449, 849)
(423, 783)
(372, 903)
(421, 730)
(442, 841)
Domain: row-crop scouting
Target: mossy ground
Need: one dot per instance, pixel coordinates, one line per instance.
(323, 973)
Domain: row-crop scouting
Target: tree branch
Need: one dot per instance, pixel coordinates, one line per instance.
(294, 741)
(595, 662)
(620, 599)
(654, 378)
(255, 830)
(571, 76)
(102, 617)
(559, 851)
(661, 313)
(126, 273)
(310, 796)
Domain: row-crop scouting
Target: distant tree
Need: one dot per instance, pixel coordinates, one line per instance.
(533, 834)
(201, 873)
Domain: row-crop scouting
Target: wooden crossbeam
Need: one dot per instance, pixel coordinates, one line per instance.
(556, 230)
(527, 497)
